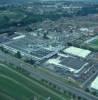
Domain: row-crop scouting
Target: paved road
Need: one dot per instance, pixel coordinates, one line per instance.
(91, 78)
(41, 75)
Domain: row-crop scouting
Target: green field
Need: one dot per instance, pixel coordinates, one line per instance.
(95, 42)
(15, 86)
(92, 44)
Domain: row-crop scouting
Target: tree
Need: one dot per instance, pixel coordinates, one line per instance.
(10, 33)
(87, 90)
(94, 93)
(30, 61)
(18, 54)
(69, 44)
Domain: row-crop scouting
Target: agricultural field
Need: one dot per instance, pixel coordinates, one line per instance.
(16, 86)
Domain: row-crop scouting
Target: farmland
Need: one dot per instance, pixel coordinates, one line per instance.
(15, 86)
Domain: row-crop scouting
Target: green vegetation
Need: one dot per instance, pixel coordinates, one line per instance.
(18, 55)
(4, 96)
(9, 18)
(95, 42)
(93, 45)
(16, 86)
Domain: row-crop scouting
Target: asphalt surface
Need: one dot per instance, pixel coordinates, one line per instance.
(35, 73)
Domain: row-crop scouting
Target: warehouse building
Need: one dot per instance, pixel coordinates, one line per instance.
(77, 52)
(29, 48)
(67, 62)
(94, 84)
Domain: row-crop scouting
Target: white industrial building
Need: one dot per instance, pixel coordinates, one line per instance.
(77, 51)
(94, 84)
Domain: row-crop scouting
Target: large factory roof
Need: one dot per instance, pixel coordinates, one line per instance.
(77, 51)
(68, 62)
(94, 84)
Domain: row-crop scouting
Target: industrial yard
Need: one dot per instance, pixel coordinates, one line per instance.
(49, 52)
